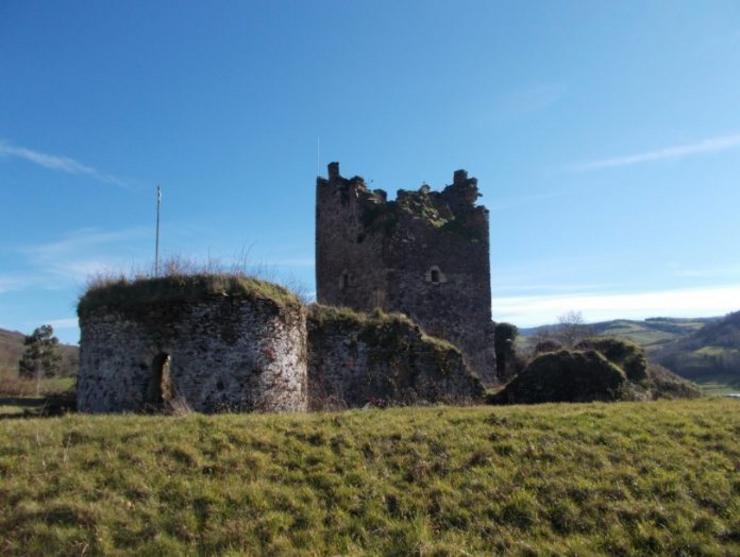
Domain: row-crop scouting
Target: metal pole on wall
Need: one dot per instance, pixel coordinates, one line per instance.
(156, 246)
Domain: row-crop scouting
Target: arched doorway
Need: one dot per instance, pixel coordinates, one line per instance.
(159, 390)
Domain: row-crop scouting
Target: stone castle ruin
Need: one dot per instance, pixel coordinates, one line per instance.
(404, 317)
(425, 255)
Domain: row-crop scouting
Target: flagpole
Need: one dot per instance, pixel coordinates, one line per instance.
(156, 245)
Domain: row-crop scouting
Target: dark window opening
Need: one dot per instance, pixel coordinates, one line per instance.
(360, 238)
(159, 390)
(434, 276)
(344, 280)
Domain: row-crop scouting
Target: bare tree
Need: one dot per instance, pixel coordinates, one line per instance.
(571, 329)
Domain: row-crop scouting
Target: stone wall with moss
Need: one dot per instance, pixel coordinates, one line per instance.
(219, 343)
(424, 254)
(210, 343)
(357, 359)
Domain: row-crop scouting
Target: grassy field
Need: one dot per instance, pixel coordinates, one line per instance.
(26, 397)
(618, 479)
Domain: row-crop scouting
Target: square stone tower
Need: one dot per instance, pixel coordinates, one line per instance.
(426, 254)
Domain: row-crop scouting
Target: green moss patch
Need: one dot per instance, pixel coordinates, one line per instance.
(624, 353)
(378, 328)
(192, 288)
(566, 376)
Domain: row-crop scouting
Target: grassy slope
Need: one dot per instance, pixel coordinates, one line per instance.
(650, 333)
(623, 478)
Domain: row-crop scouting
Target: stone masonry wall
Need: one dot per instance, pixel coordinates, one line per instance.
(359, 359)
(426, 254)
(224, 354)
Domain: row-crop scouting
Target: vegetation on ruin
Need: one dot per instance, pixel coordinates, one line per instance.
(570, 479)
(566, 376)
(376, 326)
(704, 350)
(597, 368)
(623, 353)
(173, 287)
(423, 204)
(391, 335)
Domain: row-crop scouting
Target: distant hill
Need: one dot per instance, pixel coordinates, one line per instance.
(711, 353)
(705, 350)
(652, 334)
(11, 348)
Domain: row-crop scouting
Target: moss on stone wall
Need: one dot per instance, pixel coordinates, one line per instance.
(376, 328)
(190, 288)
(565, 376)
(399, 364)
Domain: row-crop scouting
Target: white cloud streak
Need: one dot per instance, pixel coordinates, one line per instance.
(84, 239)
(66, 323)
(58, 163)
(711, 145)
(528, 311)
(10, 283)
(84, 253)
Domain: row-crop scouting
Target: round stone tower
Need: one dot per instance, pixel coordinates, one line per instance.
(206, 342)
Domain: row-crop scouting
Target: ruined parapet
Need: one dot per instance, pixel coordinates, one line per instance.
(210, 342)
(357, 359)
(424, 254)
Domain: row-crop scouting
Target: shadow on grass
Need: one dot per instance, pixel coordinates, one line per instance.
(36, 407)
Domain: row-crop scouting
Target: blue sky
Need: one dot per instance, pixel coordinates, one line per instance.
(605, 137)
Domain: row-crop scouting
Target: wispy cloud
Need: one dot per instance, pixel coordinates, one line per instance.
(690, 302)
(66, 323)
(58, 163)
(728, 272)
(544, 288)
(9, 283)
(711, 145)
(86, 252)
(84, 239)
